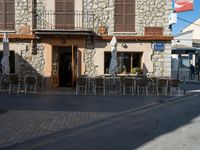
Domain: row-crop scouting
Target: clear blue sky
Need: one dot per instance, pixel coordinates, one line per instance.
(188, 15)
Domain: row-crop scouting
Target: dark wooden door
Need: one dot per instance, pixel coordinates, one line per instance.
(64, 11)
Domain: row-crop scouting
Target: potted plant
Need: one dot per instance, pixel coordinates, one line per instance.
(136, 70)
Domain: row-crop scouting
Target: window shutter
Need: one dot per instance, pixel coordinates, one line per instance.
(119, 17)
(9, 14)
(125, 15)
(64, 14)
(1, 14)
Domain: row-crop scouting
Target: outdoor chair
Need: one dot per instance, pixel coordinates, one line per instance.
(127, 84)
(30, 83)
(152, 84)
(4, 82)
(81, 84)
(142, 86)
(162, 85)
(40, 82)
(174, 84)
(99, 84)
(14, 84)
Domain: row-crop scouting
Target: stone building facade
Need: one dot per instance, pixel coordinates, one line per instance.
(37, 40)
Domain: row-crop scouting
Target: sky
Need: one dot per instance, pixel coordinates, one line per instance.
(188, 15)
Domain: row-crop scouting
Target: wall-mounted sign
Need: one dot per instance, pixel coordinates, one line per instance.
(159, 46)
(172, 18)
(183, 5)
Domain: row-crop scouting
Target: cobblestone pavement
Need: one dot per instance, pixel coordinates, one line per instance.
(18, 126)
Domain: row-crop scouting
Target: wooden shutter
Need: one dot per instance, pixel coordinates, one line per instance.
(125, 15)
(7, 14)
(64, 14)
(1, 14)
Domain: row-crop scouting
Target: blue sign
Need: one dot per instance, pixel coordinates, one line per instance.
(159, 46)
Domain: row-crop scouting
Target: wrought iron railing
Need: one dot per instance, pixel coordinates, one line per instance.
(51, 20)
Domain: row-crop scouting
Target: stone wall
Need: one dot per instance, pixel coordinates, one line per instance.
(148, 14)
(162, 62)
(28, 63)
(23, 16)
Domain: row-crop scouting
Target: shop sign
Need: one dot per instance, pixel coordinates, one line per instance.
(159, 46)
(183, 5)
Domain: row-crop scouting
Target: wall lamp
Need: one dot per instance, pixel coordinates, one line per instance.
(124, 45)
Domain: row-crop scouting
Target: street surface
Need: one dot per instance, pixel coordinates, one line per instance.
(50, 121)
(168, 126)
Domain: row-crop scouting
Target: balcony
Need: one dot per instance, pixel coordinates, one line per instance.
(51, 21)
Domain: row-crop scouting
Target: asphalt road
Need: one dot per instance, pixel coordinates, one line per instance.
(170, 125)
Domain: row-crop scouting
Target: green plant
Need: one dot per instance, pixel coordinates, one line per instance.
(136, 70)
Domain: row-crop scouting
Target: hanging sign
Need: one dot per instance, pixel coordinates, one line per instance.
(183, 5)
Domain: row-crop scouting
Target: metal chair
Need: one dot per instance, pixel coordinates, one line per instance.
(127, 84)
(174, 83)
(14, 83)
(30, 83)
(81, 83)
(99, 84)
(162, 85)
(142, 85)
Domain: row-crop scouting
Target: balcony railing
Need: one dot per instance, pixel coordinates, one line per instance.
(51, 20)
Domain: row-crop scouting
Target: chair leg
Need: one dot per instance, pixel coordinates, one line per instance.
(18, 89)
(132, 91)
(124, 90)
(157, 90)
(147, 91)
(35, 86)
(25, 89)
(76, 89)
(10, 87)
(171, 90)
(85, 90)
(179, 91)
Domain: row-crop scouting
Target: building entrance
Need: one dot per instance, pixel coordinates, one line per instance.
(64, 66)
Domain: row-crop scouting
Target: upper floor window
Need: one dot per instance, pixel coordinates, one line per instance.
(64, 14)
(7, 14)
(124, 15)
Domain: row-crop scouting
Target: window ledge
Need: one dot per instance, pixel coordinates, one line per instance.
(125, 33)
(8, 31)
